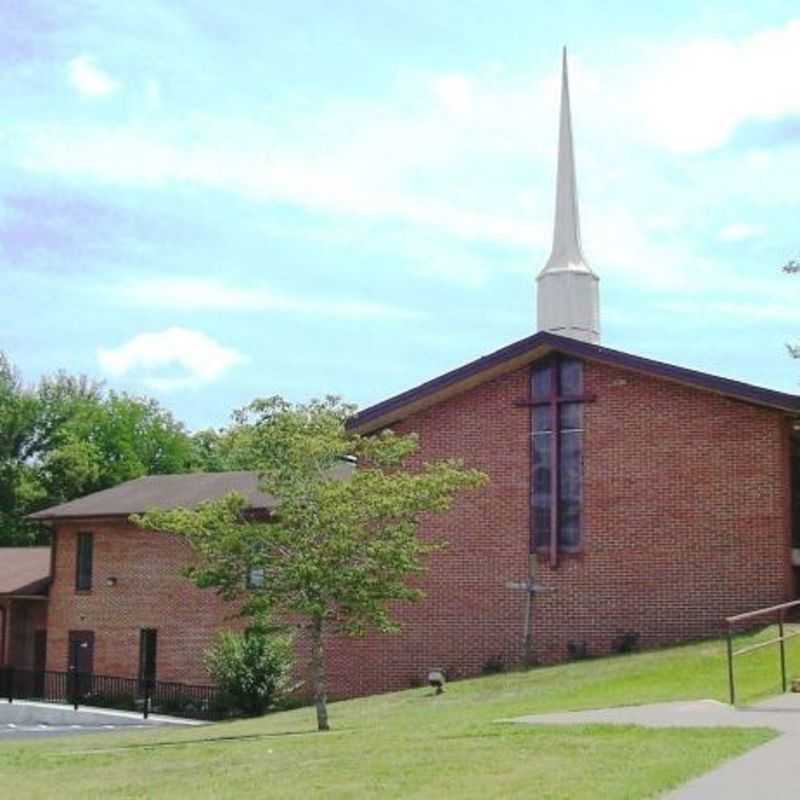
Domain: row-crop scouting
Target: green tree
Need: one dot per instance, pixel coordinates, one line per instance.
(67, 436)
(224, 449)
(19, 445)
(342, 544)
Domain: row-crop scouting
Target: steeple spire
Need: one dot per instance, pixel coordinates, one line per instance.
(568, 296)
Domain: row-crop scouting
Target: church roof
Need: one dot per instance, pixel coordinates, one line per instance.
(171, 491)
(540, 344)
(161, 491)
(24, 570)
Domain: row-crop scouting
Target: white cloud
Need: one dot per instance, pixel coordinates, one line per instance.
(692, 96)
(454, 93)
(88, 79)
(333, 184)
(741, 311)
(201, 294)
(741, 231)
(474, 158)
(202, 359)
(152, 94)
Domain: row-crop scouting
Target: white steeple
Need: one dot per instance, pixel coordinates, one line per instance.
(568, 301)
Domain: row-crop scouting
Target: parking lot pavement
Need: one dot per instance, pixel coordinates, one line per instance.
(12, 732)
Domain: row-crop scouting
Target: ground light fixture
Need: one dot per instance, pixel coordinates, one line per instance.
(436, 679)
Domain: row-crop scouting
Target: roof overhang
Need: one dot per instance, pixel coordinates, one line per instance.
(533, 348)
(22, 596)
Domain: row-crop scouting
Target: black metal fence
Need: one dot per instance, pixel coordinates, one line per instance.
(108, 691)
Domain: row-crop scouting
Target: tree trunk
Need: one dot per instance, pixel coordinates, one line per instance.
(318, 674)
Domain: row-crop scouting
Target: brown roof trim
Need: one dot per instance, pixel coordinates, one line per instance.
(16, 596)
(76, 519)
(532, 347)
(35, 589)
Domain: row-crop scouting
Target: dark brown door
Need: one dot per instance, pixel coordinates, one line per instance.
(80, 661)
(39, 661)
(81, 652)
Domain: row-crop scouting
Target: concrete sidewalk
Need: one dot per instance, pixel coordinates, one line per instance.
(32, 712)
(771, 772)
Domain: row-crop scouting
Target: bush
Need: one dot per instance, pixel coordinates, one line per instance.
(578, 651)
(493, 666)
(627, 642)
(253, 667)
(122, 702)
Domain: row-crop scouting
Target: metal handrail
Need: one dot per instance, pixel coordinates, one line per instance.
(780, 640)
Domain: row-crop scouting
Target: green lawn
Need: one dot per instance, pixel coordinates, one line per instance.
(414, 745)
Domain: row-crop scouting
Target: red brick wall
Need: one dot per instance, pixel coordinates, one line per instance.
(150, 592)
(686, 520)
(469, 616)
(687, 500)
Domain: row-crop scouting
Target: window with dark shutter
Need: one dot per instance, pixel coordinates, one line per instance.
(83, 571)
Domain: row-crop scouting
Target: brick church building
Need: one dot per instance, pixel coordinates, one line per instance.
(629, 501)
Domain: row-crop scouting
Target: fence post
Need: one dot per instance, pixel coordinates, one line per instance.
(11, 684)
(783, 651)
(731, 686)
(75, 683)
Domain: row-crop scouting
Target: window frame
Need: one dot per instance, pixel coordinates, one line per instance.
(84, 575)
(554, 401)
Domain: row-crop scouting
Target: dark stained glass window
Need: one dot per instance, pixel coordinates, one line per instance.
(557, 469)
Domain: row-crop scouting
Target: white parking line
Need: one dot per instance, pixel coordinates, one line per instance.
(41, 728)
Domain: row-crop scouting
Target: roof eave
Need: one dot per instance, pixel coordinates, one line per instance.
(37, 588)
(119, 517)
(534, 347)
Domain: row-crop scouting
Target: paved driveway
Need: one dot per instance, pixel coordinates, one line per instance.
(770, 772)
(10, 732)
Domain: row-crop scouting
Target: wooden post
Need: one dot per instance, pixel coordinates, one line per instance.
(731, 684)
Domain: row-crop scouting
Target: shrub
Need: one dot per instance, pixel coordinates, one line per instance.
(123, 702)
(253, 667)
(493, 666)
(627, 642)
(578, 651)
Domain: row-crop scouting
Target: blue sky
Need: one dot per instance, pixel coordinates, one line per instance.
(210, 202)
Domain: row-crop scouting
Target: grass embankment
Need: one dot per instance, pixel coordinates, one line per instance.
(414, 745)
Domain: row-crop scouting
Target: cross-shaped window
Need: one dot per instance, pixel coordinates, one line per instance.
(556, 400)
